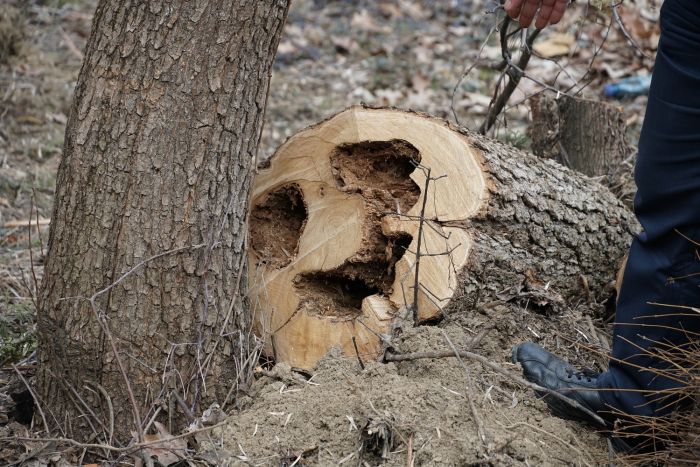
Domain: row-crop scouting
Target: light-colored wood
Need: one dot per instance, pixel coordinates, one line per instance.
(335, 228)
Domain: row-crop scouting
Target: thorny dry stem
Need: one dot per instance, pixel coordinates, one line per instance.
(613, 4)
(515, 74)
(533, 427)
(596, 51)
(127, 450)
(234, 297)
(422, 221)
(476, 61)
(72, 394)
(416, 289)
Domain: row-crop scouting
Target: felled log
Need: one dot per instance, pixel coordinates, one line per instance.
(335, 220)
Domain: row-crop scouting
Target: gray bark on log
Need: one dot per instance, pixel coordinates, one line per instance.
(546, 228)
(165, 122)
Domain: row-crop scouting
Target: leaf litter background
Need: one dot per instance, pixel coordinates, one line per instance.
(333, 53)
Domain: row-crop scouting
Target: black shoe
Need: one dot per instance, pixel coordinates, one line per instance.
(551, 372)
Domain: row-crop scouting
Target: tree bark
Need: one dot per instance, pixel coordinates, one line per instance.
(584, 135)
(335, 222)
(157, 161)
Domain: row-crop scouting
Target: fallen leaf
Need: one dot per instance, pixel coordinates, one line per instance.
(363, 20)
(421, 95)
(344, 45)
(24, 69)
(165, 451)
(637, 28)
(58, 118)
(412, 9)
(459, 31)
(559, 44)
(29, 119)
(479, 99)
(614, 73)
(388, 96)
(390, 10)
(286, 47)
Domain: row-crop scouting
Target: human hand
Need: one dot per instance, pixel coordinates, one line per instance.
(551, 11)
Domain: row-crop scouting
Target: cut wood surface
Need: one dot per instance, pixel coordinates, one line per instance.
(335, 219)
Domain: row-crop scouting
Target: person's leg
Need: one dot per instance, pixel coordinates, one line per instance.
(667, 205)
(663, 267)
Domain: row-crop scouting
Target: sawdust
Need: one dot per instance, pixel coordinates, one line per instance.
(344, 413)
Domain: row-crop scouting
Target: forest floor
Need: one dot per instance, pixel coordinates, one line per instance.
(333, 54)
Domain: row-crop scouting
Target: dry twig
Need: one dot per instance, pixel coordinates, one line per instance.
(36, 400)
(470, 395)
(613, 4)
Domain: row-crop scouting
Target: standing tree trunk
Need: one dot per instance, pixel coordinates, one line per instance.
(157, 161)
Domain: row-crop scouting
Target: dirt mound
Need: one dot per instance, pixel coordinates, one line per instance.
(13, 32)
(346, 415)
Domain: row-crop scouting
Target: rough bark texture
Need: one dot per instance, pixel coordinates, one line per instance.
(522, 229)
(547, 232)
(165, 123)
(584, 135)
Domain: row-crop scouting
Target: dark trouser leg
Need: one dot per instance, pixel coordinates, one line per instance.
(668, 200)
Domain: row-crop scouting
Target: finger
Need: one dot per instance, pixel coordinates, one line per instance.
(551, 12)
(528, 12)
(544, 14)
(513, 8)
(559, 10)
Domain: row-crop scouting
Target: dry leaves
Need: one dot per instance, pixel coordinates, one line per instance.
(168, 452)
(559, 44)
(363, 20)
(421, 94)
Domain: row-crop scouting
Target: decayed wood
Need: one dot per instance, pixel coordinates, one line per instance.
(157, 158)
(516, 228)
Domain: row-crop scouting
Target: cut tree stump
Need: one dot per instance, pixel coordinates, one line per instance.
(335, 219)
(584, 135)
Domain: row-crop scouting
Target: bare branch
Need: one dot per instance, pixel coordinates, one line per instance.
(127, 449)
(36, 399)
(479, 425)
(624, 30)
(471, 67)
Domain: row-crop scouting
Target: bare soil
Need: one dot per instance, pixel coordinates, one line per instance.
(373, 416)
